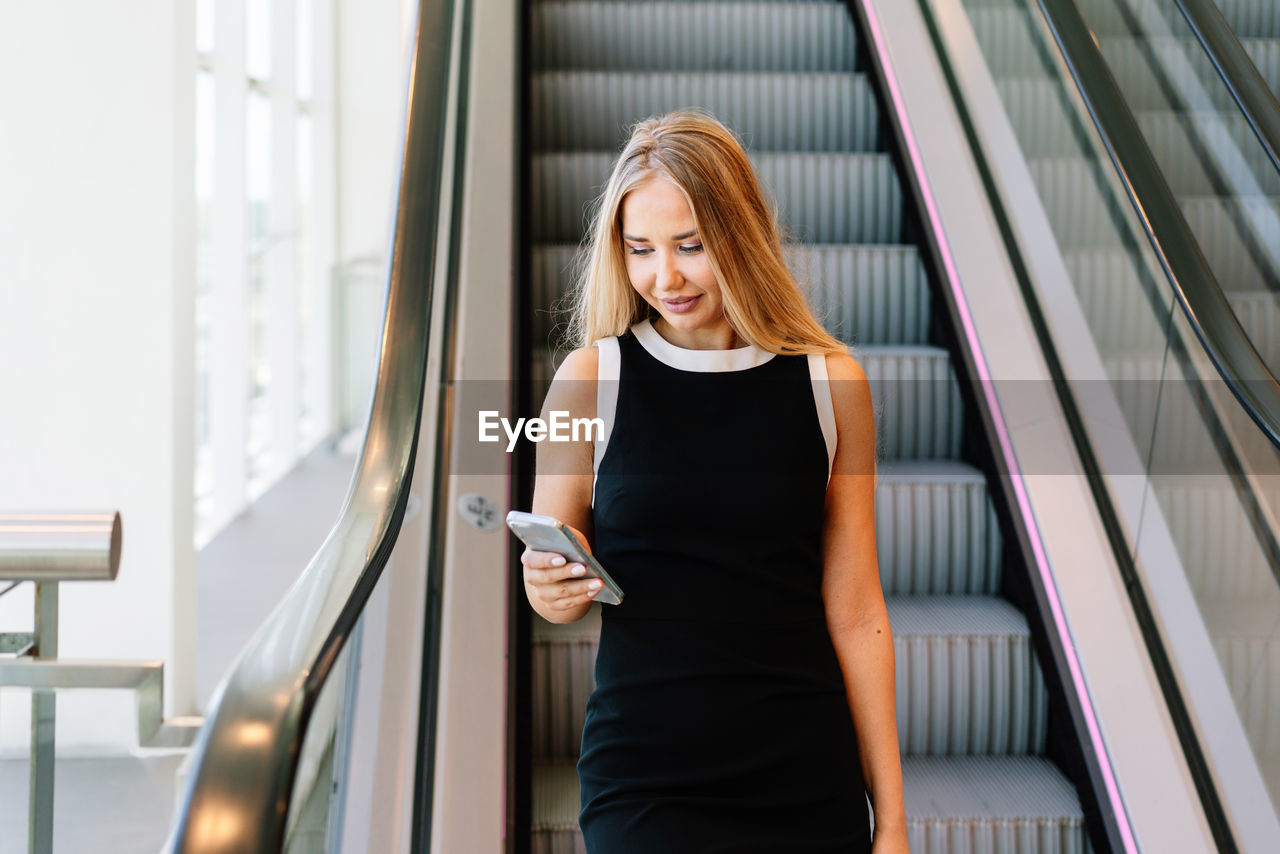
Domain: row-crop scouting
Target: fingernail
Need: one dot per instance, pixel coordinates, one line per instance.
(594, 585)
(557, 561)
(578, 569)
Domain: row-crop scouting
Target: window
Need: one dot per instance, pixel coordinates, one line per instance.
(263, 115)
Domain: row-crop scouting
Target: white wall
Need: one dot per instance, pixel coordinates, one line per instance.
(96, 304)
(96, 359)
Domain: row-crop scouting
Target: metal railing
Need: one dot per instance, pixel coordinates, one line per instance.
(47, 549)
(1238, 72)
(1195, 285)
(245, 764)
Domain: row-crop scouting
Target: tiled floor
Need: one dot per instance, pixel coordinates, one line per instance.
(122, 805)
(110, 805)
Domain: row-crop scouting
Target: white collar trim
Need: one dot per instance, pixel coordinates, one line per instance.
(707, 361)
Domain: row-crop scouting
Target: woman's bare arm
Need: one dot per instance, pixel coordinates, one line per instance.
(562, 488)
(854, 601)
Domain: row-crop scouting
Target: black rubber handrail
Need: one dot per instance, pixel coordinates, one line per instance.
(1194, 284)
(244, 763)
(1237, 70)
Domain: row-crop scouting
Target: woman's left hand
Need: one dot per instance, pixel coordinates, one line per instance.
(890, 842)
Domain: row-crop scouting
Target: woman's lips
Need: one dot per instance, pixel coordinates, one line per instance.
(680, 306)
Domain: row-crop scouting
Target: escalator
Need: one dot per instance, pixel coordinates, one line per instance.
(977, 728)
(403, 698)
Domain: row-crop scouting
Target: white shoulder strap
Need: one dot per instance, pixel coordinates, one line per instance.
(606, 398)
(826, 410)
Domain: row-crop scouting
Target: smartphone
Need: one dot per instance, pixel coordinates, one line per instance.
(549, 534)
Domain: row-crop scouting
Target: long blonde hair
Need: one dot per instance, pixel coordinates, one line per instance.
(762, 300)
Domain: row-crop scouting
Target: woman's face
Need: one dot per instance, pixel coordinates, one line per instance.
(669, 268)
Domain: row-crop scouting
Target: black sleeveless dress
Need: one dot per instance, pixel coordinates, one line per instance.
(719, 721)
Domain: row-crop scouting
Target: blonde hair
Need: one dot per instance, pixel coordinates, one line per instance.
(762, 300)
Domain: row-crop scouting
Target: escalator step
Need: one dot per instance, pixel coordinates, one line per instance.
(564, 659)
(1080, 216)
(555, 809)
(1252, 18)
(1174, 138)
(991, 805)
(770, 112)
(1005, 36)
(709, 36)
(1220, 225)
(1040, 122)
(1120, 314)
(974, 804)
(823, 198)
(1265, 54)
(936, 534)
(936, 529)
(1180, 65)
(967, 677)
(919, 411)
(1259, 314)
(1243, 634)
(866, 294)
(1215, 539)
(863, 294)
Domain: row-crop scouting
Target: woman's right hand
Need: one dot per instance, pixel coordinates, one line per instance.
(556, 583)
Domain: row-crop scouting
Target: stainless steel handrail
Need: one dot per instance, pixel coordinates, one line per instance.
(60, 546)
(1238, 72)
(1195, 286)
(244, 764)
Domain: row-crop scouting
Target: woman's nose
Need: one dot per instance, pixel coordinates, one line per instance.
(669, 277)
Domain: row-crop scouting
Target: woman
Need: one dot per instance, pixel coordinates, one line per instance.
(745, 685)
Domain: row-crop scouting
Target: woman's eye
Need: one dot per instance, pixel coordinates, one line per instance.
(691, 248)
(638, 250)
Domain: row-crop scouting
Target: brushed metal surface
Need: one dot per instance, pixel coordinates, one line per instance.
(81, 546)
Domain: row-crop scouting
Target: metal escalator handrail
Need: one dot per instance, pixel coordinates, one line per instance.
(1194, 283)
(244, 763)
(1238, 72)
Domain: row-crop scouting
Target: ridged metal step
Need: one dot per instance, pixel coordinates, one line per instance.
(863, 294)
(1182, 63)
(936, 534)
(1170, 136)
(1259, 314)
(1040, 121)
(971, 804)
(1252, 18)
(1121, 315)
(823, 198)
(707, 36)
(1006, 38)
(582, 110)
(936, 529)
(1220, 226)
(919, 411)
(1245, 640)
(563, 658)
(1215, 539)
(1080, 216)
(967, 677)
(555, 809)
(991, 805)
(1265, 54)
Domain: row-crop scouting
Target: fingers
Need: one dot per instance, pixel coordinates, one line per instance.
(557, 582)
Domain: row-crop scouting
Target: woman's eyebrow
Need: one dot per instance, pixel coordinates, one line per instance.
(684, 236)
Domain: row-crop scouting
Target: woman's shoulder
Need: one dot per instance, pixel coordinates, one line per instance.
(844, 367)
(850, 393)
